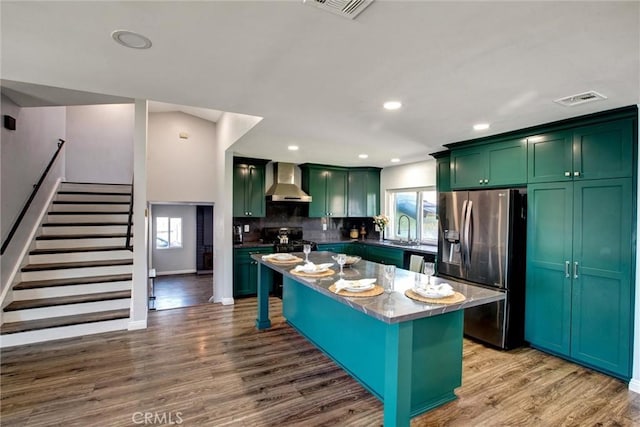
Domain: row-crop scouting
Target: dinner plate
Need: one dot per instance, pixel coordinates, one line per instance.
(434, 293)
(359, 287)
(283, 257)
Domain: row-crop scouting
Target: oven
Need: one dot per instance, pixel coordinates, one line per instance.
(285, 239)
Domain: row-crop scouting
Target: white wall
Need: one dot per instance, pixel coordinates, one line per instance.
(181, 170)
(230, 128)
(100, 143)
(24, 155)
(175, 260)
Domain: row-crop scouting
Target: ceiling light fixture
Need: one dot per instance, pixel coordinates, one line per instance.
(293, 148)
(481, 126)
(392, 105)
(131, 39)
(395, 160)
(363, 156)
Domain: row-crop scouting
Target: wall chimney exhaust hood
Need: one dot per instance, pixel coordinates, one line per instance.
(284, 188)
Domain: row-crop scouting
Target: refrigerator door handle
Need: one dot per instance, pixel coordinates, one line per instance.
(463, 244)
(467, 232)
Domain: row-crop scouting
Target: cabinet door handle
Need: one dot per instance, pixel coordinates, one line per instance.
(575, 270)
(567, 174)
(566, 269)
(486, 181)
(479, 181)
(576, 173)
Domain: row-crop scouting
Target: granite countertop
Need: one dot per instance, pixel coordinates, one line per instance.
(390, 308)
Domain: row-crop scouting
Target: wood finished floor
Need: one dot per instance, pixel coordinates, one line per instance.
(209, 364)
(182, 290)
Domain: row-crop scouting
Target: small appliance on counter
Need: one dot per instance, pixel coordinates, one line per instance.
(237, 234)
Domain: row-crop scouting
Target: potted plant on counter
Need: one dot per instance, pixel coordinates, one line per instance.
(381, 221)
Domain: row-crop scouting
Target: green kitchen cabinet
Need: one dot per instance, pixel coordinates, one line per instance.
(579, 295)
(339, 248)
(385, 255)
(249, 188)
(245, 271)
(363, 192)
(328, 188)
(497, 164)
(603, 150)
(443, 174)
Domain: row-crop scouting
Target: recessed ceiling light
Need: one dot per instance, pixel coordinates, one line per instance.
(395, 160)
(131, 39)
(481, 126)
(363, 156)
(293, 148)
(392, 105)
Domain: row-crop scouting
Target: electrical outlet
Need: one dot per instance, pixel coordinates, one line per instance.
(246, 228)
(324, 227)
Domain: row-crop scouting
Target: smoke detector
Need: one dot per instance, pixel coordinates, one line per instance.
(346, 8)
(581, 98)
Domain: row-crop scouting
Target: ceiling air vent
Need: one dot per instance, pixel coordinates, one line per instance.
(580, 98)
(347, 8)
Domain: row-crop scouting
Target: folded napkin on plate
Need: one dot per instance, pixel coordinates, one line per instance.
(312, 268)
(344, 284)
(279, 257)
(436, 291)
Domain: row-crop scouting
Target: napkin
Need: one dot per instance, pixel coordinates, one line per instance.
(343, 284)
(312, 268)
(435, 291)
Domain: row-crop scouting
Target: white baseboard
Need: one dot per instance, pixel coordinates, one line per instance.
(169, 273)
(227, 301)
(634, 385)
(137, 324)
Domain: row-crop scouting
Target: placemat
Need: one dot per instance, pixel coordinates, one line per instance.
(377, 290)
(294, 260)
(327, 273)
(453, 299)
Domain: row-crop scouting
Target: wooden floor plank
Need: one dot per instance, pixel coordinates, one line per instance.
(209, 364)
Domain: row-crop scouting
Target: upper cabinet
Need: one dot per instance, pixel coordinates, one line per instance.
(497, 164)
(589, 152)
(443, 170)
(363, 192)
(249, 187)
(328, 188)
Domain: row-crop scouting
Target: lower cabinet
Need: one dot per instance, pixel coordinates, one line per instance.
(579, 295)
(385, 255)
(245, 271)
(339, 248)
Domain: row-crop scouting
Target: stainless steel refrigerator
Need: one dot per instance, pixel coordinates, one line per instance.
(483, 240)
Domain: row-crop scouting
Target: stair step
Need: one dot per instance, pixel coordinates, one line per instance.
(80, 264)
(84, 228)
(31, 325)
(74, 250)
(100, 193)
(66, 300)
(81, 236)
(88, 202)
(83, 224)
(56, 213)
(36, 284)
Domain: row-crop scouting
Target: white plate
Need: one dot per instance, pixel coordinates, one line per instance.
(315, 269)
(360, 287)
(283, 257)
(434, 293)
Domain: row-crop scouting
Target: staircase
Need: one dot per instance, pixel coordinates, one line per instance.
(77, 278)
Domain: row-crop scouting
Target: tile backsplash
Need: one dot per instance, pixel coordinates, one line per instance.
(296, 215)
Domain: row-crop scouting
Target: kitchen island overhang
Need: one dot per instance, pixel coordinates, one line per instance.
(406, 353)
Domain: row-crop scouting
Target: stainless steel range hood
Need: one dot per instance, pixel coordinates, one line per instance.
(284, 188)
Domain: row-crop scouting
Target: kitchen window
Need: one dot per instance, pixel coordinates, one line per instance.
(407, 220)
(168, 232)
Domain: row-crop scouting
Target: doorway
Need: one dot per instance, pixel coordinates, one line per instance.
(181, 255)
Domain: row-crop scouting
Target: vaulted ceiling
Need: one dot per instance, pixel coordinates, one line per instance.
(319, 80)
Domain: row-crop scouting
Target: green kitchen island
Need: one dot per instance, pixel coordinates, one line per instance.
(406, 353)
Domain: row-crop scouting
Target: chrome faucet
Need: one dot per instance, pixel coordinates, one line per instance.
(408, 226)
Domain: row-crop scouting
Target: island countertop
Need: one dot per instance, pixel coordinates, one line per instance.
(389, 308)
